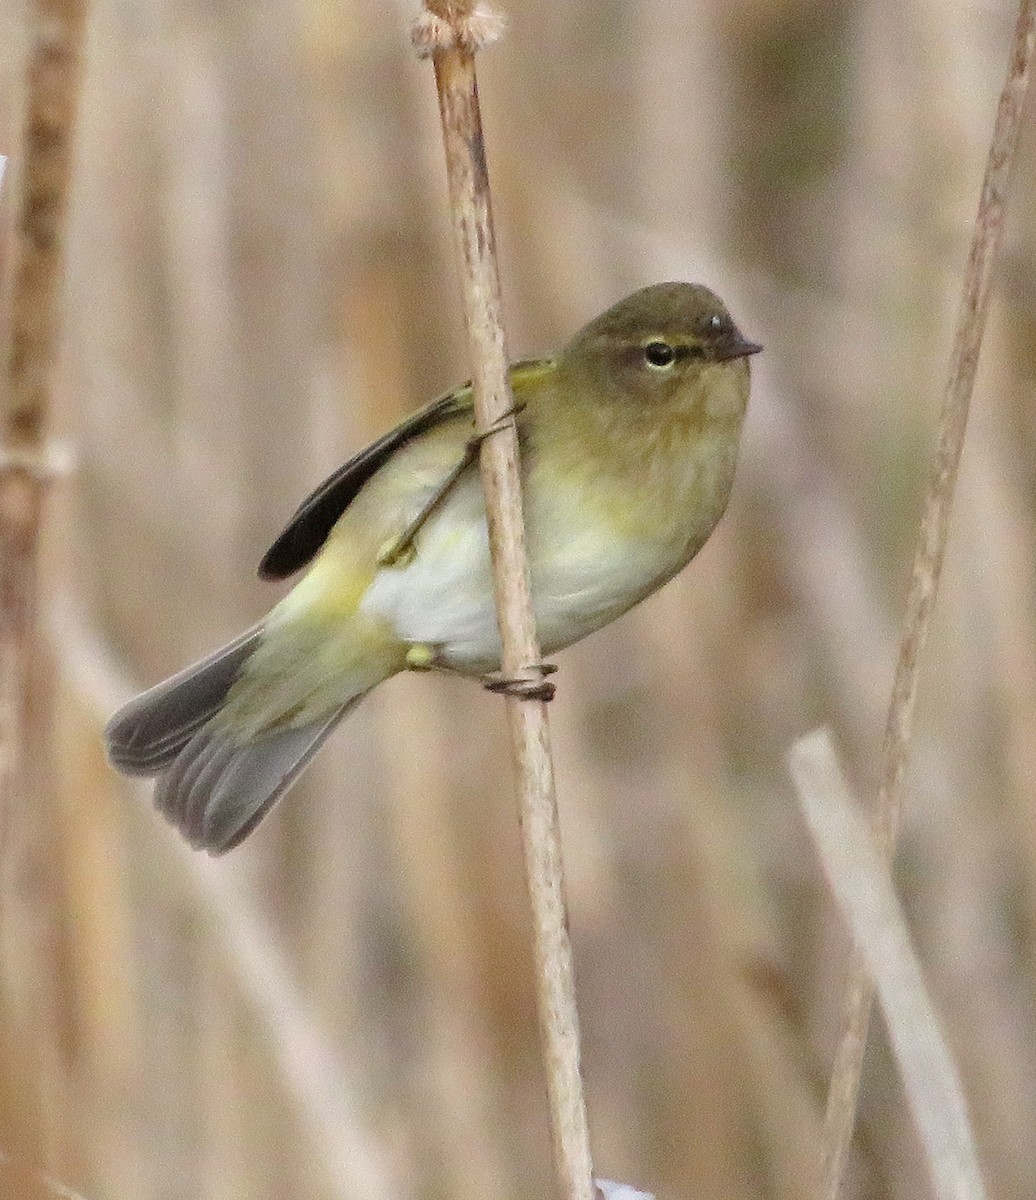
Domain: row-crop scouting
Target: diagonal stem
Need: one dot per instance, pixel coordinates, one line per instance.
(928, 559)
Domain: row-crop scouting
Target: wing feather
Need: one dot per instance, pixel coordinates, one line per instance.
(316, 516)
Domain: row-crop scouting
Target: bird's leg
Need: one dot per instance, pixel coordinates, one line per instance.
(399, 551)
(499, 425)
(421, 657)
(531, 684)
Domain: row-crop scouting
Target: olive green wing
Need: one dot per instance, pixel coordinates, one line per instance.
(317, 515)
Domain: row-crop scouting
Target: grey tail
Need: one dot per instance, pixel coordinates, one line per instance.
(146, 734)
(213, 787)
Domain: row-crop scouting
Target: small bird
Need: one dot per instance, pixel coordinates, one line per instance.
(628, 440)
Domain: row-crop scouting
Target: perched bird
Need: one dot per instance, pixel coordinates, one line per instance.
(628, 438)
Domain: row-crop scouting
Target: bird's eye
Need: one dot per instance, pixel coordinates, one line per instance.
(659, 354)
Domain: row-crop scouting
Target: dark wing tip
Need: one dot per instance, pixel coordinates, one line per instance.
(280, 561)
(311, 525)
(298, 543)
(308, 530)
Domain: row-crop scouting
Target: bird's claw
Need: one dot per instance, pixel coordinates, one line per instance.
(502, 422)
(531, 684)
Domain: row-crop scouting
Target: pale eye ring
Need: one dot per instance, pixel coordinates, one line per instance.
(659, 354)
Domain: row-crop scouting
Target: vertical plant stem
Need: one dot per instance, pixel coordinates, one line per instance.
(28, 913)
(452, 33)
(928, 559)
(51, 97)
(52, 93)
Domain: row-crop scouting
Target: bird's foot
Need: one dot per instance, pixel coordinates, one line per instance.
(530, 684)
(504, 421)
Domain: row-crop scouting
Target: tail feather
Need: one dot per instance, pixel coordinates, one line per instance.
(147, 734)
(218, 789)
(214, 784)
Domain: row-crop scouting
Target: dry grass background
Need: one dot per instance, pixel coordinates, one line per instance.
(259, 280)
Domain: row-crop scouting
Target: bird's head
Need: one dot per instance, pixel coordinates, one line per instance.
(664, 343)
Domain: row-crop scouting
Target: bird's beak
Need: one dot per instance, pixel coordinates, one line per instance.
(737, 347)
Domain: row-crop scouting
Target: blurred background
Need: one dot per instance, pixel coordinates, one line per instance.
(259, 280)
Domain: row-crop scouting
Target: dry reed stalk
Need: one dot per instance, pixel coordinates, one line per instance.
(451, 31)
(321, 1087)
(856, 865)
(102, 1001)
(982, 259)
(26, 468)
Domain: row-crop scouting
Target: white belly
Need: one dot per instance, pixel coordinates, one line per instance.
(583, 576)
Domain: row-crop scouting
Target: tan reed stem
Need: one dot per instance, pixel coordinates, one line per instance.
(28, 913)
(856, 867)
(25, 466)
(452, 33)
(928, 559)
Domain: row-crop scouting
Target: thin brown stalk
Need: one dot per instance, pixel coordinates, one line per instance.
(28, 913)
(928, 559)
(452, 32)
